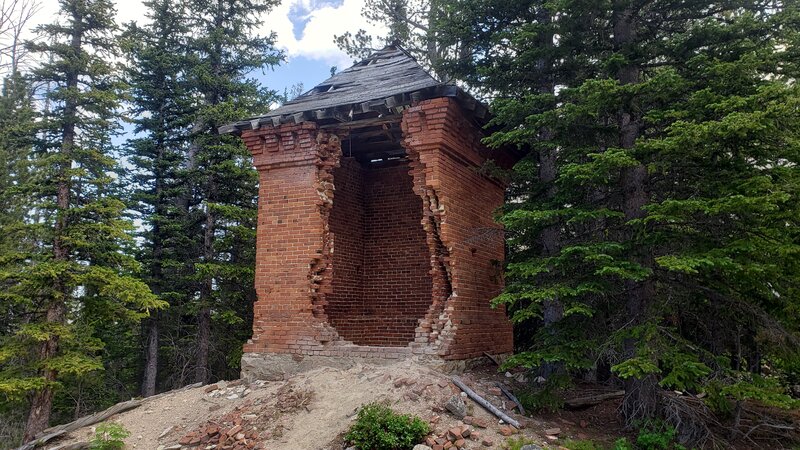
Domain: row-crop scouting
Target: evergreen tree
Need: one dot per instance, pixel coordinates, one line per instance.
(17, 135)
(17, 124)
(414, 24)
(77, 276)
(157, 74)
(674, 128)
(220, 173)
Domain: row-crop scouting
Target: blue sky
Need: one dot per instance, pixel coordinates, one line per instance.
(305, 30)
(299, 69)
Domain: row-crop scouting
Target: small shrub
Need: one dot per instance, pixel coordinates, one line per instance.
(622, 444)
(581, 445)
(109, 436)
(517, 443)
(379, 428)
(657, 435)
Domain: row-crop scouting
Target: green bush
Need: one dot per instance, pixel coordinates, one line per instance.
(581, 445)
(653, 435)
(109, 436)
(379, 428)
(517, 443)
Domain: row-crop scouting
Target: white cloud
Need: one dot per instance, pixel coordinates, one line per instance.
(323, 21)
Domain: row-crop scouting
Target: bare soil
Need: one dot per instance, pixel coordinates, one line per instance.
(313, 410)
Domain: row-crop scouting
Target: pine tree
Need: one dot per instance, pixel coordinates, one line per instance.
(157, 74)
(77, 275)
(17, 135)
(675, 195)
(414, 25)
(221, 176)
(16, 139)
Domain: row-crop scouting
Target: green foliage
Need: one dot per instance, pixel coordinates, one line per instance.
(767, 391)
(377, 427)
(581, 445)
(109, 436)
(516, 443)
(636, 368)
(547, 397)
(655, 435)
(623, 444)
(652, 435)
(69, 274)
(654, 215)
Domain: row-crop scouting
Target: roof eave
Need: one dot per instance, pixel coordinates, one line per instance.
(347, 112)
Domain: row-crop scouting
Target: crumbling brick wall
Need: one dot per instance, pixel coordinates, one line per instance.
(465, 242)
(456, 245)
(293, 239)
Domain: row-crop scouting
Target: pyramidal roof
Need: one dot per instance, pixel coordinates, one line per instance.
(387, 80)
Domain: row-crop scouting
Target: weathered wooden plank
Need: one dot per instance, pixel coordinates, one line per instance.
(364, 122)
(485, 403)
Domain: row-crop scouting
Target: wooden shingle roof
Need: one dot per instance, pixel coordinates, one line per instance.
(387, 80)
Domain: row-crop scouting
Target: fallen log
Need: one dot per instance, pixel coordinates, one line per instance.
(510, 396)
(75, 446)
(485, 403)
(41, 440)
(585, 402)
(56, 431)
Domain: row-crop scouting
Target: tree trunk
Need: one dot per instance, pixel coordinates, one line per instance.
(641, 399)
(201, 373)
(42, 400)
(151, 359)
(156, 271)
(553, 308)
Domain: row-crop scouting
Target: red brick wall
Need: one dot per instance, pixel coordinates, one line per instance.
(381, 286)
(292, 254)
(346, 299)
(452, 234)
(466, 244)
(397, 286)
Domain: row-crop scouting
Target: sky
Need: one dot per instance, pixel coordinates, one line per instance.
(305, 30)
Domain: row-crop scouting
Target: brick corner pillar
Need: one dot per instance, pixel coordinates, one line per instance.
(294, 245)
(466, 244)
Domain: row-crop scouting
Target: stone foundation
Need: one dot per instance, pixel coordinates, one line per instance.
(281, 366)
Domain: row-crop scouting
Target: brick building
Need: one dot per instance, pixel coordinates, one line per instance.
(376, 236)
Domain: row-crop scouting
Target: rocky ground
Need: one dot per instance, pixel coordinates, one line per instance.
(313, 410)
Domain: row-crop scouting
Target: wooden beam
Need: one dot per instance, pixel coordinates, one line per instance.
(363, 123)
(364, 135)
(228, 129)
(485, 403)
(585, 402)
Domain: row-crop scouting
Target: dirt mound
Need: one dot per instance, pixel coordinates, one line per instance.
(313, 410)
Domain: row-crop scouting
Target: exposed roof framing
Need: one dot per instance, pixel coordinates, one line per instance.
(382, 85)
